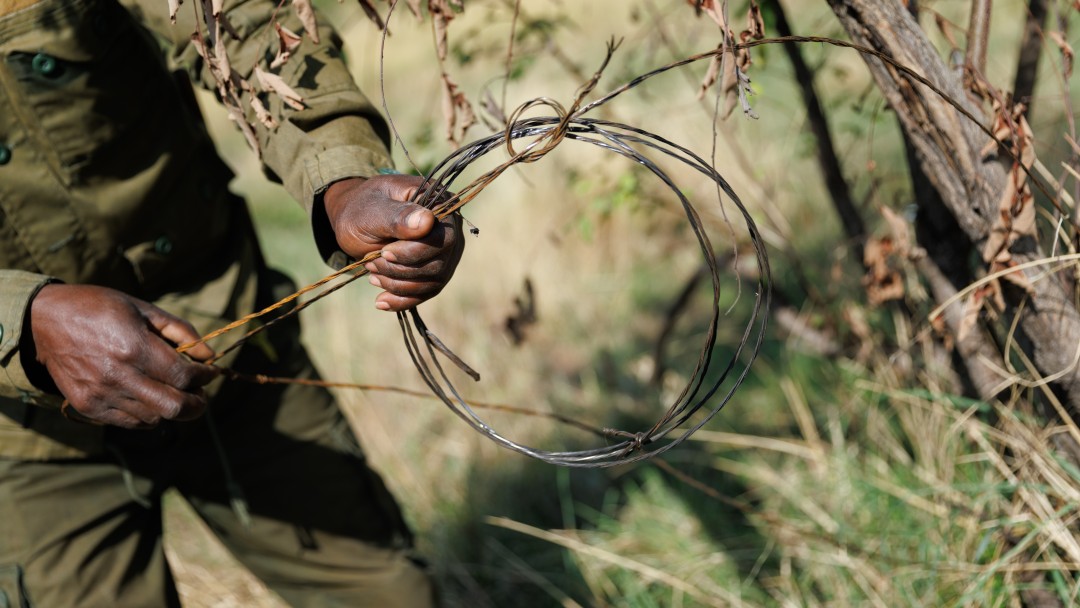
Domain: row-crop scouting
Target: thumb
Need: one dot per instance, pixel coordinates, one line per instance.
(175, 330)
(397, 221)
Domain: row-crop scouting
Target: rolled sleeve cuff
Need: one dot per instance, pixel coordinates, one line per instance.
(342, 162)
(331, 166)
(19, 288)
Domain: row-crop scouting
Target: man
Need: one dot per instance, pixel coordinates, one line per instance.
(119, 241)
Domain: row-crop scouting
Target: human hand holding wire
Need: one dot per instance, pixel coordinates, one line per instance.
(419, 251)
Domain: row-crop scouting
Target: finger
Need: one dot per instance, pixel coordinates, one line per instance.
(395, 303)
(416, 289)
(152, 401)
(117, 417)
(442, 240)
(160, 362)
(429, 271)
(175, 330)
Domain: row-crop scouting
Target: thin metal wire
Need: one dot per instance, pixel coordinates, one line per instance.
(709, 376)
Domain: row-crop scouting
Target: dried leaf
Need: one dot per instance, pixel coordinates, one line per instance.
(1017, 277)
(901, 235)
(306, 14)
(1016, 206)
(261, 112)
(710, 8)
(1066, 52)
(441, 15)
(755, 25)
(272, 82)
(439, 23)
(373, 14)
(174, 7)
(288, 42)
(882, 281)
(457, 110)
(711, 75)
(972, 306)
(414, 6)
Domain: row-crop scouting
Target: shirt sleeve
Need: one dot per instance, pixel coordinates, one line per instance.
(19, 289)
(338, 134)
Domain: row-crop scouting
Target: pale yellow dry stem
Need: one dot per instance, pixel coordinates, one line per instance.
(803, 417)
(739, 440)
(724, 600)
(1059, 407)
(1064, 260)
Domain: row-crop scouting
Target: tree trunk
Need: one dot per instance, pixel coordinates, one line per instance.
(947, 146)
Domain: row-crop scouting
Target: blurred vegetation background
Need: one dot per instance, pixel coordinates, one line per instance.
(847, 471)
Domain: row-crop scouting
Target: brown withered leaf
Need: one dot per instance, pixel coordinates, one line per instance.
(306, 14)
(755, 25)
(882, 281)
(710, 8)
(972, 306)
(271, 82)
(174, 7)
(261, 112)
(441, 16)
(901, 235)
(373, 14)
(711, 75)
(288, 42)
(457, 110)
(414, 6)
(1016, 206)
(439, 23)
(1066, 52)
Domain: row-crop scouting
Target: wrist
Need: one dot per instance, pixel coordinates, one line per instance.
(335, 198)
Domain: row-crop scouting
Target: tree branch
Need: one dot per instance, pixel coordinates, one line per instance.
(845, 207)
(1027, 64)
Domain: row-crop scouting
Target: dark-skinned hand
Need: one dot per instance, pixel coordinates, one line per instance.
(420, 253)
(113, 357)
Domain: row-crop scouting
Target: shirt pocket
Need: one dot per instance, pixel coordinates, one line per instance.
(95, 83)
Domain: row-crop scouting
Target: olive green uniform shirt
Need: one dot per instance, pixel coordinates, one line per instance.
(108, 176)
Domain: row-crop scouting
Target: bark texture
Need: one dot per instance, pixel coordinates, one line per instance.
(946, 146)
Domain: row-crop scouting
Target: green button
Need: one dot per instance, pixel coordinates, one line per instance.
(388, 171)
(163, 245)
(5, 154)
(44, 64)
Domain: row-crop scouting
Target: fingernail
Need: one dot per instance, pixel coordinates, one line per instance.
(374, 280)
(370, 266)
(389, 256)
(382, 306)
(414, 219)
